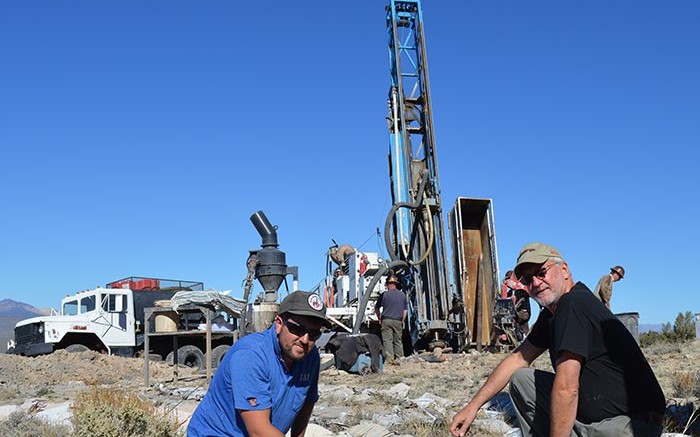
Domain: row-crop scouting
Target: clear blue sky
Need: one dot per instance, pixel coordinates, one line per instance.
(139, 136)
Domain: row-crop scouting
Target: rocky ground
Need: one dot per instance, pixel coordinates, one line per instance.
(417, 397)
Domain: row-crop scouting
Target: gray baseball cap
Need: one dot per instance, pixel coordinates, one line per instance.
(304, 303)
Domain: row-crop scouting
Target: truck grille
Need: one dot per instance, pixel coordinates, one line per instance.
(29, 334)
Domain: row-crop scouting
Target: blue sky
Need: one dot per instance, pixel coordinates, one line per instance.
(139, 136)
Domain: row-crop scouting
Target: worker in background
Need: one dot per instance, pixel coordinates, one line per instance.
(267, 382)
(602, 384)
(603, 290)
(514, 290)
(391, 309)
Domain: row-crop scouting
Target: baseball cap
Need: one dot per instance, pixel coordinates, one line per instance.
(304, 303)
(535, 253)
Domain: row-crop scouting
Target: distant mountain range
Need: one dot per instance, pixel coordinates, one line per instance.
(12, 312)
(650, 327)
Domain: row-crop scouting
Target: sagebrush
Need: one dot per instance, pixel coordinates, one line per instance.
(683, 330)
(26, 424)
(114, 413)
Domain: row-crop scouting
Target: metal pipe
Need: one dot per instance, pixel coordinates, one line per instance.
(267, 231)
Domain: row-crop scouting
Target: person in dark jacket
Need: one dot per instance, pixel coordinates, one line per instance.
(602, 384)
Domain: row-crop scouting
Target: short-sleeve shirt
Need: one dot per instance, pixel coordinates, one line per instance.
(393, 302)
(616, 378)
(253, 376)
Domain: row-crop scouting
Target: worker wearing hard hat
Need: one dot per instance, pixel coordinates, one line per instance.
(603, 290)
(602, 384)
(391, 310)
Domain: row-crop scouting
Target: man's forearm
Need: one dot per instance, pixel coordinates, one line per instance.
(565, 394)
(564, 407)
(257, 423)
(497, 381)
(302, 420)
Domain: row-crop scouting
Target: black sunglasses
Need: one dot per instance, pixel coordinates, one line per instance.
(300, 331)
(539, 274)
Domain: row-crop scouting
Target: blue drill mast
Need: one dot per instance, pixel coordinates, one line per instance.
(414, 229)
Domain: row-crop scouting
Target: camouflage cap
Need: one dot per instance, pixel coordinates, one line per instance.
(535, 253)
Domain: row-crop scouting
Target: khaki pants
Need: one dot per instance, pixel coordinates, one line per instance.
(531, 392)
(392, 332)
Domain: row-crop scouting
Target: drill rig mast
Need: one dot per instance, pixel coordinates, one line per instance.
(414, 229)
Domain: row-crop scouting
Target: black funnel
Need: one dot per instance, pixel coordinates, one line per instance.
(272, 263)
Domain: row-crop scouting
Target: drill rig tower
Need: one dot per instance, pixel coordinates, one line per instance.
(414, 229)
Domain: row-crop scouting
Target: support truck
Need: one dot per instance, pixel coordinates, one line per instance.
(110, 319)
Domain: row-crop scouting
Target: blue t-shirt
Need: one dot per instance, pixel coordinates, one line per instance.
(253, 376)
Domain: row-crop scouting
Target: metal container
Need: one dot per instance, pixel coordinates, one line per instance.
(261, 316)
(475, 265)
(631, 321)
(167, 322)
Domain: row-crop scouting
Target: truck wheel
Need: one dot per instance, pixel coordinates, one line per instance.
(77, 348)
(217, 354)
(189, 356)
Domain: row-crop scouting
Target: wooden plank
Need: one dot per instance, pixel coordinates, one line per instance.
(472, 251)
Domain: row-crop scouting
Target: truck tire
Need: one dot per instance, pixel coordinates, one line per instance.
(189, 356)
(76, 348)
(217, 354)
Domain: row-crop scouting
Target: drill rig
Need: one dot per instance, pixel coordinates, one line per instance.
(413, 232)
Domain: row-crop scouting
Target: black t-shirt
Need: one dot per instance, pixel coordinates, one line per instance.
(615, 378)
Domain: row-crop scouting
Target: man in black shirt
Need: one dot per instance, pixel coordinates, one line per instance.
(602, 384)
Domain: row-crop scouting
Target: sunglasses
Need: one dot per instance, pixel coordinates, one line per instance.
(300, 331)
(539, 274)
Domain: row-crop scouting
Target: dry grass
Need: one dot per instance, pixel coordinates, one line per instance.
(114, 413)
(26, 424)
(686, 384)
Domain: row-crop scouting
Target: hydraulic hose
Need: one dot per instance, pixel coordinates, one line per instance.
(368, 292)
(412, 206)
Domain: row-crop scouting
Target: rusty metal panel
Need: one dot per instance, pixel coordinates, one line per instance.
(474, 246)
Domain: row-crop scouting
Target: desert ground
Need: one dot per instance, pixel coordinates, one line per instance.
(417, 397)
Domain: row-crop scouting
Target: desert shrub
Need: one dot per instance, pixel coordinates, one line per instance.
(684, 327)
(686, 384)
(683, 330)
(25, 424)
(113, 413)
(650, 338)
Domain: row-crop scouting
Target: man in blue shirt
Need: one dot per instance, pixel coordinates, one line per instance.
(267, 383)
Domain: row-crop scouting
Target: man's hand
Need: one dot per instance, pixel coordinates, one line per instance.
(462, 421)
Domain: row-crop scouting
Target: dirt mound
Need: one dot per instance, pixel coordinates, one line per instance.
(60, 375)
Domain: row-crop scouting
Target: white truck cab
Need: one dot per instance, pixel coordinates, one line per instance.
(106, 319)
